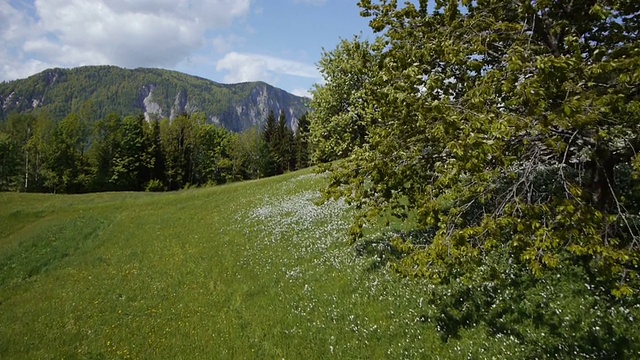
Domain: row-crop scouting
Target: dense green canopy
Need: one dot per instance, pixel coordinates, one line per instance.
(501, 124)
(505, 135)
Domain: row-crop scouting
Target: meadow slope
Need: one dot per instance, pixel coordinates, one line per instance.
(246, 270)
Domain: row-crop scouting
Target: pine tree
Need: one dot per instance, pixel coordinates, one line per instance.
(269, 148)
(284, 145)
(301, 142)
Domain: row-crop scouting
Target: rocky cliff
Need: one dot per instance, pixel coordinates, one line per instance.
(154, 92)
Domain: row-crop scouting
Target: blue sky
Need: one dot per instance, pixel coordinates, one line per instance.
(277, 41)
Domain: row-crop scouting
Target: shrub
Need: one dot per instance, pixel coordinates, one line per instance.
(155, 186)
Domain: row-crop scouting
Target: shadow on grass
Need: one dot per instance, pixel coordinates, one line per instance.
(381, 248)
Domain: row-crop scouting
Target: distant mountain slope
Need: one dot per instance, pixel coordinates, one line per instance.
(154, 92)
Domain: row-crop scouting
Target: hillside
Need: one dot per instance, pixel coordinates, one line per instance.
(154, 92)
(255, 270)
(247, 270)
(221, 272)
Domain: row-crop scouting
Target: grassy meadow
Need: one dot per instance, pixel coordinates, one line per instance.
(246, 270)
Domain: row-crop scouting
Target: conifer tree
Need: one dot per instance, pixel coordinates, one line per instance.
(301, 142)
(284, 145)
(269, 149)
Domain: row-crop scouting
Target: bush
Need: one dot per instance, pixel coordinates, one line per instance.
(155, 186)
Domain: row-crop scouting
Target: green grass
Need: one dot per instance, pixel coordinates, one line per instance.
(247, 270)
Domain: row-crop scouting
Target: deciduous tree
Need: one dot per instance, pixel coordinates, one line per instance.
(338, 125)
(501, 125)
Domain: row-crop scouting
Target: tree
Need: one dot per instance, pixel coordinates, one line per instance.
(131, 162)
(19, 127)
(283, 145)
(67, 166)
(503, 126)
(245, 151)
(39, 148)
(301, 142)
(213, 164)
(268, 157)
(504, 134)
(180, 142)
(338, 125)
(102, 153)
(156, 153)
(9, 161)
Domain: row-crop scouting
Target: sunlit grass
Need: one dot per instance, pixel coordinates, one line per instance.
(248, 270)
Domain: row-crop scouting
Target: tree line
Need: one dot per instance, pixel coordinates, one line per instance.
(79, 154)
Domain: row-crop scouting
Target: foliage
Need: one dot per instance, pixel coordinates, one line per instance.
(67, 167)
(338, 125)
(285, 147)
(130, 170)
(179, 141)
(8, 161)
(301, 142)
(279, 148)
(80, 154)
(155, 185)
(520, 133)
(245, 151)
(504, 131)
(268, 153)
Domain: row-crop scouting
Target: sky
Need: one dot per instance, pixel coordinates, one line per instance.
(228, 41)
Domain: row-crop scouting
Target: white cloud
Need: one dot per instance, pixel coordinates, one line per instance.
(15, 30)
(14, 24)
(255, 67)
(302, 92)
(128, 33)
(13, 69)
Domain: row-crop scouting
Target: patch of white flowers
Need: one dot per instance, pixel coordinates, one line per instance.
(301, 242)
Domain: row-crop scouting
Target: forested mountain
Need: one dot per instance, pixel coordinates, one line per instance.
(156, 93)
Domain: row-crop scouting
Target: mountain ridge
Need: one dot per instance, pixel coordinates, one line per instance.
(157, 93)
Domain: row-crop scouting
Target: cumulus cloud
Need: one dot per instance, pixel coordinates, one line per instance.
(128, 33)
(254, 67)
(15, 30)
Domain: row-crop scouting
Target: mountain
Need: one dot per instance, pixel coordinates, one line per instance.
(155, 92)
